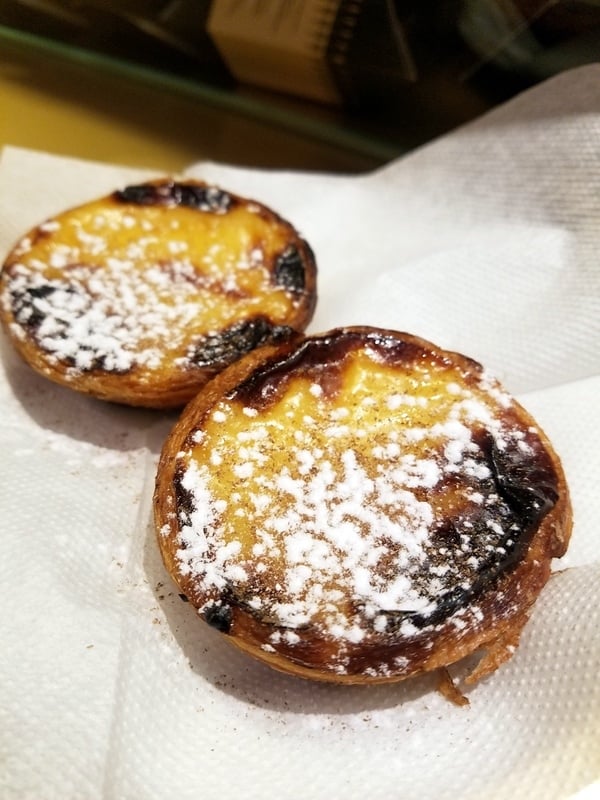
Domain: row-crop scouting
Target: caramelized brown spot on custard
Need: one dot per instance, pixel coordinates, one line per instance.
(219, 615)
(321, 359)
(225, 346)
(200, 197)
(290, 269)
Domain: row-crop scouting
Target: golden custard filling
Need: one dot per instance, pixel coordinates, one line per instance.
(354, 497)
(117, 286)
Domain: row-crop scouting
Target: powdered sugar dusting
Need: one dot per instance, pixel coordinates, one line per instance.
(345, 520)
(113, 318)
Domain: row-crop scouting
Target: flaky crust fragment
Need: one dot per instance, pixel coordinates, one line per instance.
(361, 507)
(142, 296)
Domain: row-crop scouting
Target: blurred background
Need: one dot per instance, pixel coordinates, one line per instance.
(336, 85)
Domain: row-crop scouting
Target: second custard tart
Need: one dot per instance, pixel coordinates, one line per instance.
(361, 506)
(141, 296)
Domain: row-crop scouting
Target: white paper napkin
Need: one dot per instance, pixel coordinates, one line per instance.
(486, 241)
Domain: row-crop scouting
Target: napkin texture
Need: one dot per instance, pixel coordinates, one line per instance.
(485, 241)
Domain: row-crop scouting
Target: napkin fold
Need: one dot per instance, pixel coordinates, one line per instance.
(485, 241)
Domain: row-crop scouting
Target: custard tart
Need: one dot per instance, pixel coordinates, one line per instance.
(361, 506)
(141, 296)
